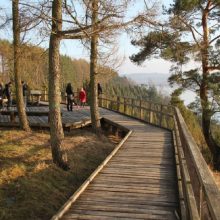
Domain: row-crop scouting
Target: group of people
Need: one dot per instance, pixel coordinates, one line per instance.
(71, 98)
(82, 96)
(6, 93)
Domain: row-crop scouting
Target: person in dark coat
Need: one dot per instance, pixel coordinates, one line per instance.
(24, 88)
(70, 97)
(99, 89)
(8, 94)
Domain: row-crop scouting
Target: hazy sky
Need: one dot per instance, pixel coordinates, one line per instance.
(74, 49)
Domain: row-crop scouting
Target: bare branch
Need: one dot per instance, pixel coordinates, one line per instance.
(214, 39)
(192, 29)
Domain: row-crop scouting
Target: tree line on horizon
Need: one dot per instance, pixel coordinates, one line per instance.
(35, 65)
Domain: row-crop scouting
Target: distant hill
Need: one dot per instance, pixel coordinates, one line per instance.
(149, 78)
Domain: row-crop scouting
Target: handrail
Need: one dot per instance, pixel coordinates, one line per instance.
(154, 113)
(206, 191)
(198, 192)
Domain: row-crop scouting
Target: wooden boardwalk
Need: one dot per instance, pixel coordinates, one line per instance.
(139, 182)
(80, 116)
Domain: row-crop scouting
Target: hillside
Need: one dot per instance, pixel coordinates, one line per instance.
(149, 78)
(35, 66)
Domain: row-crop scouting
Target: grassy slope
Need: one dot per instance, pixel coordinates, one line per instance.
(31, 187)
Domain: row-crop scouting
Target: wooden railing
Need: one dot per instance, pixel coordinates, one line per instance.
(198, 193)
(154, 113)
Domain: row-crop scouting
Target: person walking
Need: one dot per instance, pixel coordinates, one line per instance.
(99, 89)
(24, 88)
(82, 97)
(8, 94)
(70, 94)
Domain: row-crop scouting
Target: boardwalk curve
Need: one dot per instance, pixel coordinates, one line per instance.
(139, 182)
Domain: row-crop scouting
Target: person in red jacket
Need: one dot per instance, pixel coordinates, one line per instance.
(82, 97)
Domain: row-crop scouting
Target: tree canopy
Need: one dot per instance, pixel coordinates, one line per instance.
(190, 33)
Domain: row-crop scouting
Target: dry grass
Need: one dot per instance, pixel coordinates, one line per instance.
(217, 177)
(31, 186)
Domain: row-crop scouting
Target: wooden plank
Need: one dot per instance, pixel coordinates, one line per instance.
(123, 209)
(123, 205)
(126, 215)
(139, 182)
(133, 201)
(72, 199)
(136, 188)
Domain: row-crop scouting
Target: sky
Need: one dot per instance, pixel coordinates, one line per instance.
(74, 48)
(125, 51)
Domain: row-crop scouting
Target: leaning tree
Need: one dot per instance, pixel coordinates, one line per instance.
(192, 33)
(17, 28)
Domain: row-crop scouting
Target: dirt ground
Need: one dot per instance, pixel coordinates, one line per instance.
(31, 186)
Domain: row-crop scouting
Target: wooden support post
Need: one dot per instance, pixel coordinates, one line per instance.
(12, 117)
(101, 100)
(161, 115)
(140, 109)
(125, 106)
(118, 103)
(111, 104)
(44, 95)
(151, 114)
(132, 107)
(106, 126)
(115, 131)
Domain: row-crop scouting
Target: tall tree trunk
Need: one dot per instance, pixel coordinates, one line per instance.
(16, 46)
(94, 71)
(56, 129)
(206, 108)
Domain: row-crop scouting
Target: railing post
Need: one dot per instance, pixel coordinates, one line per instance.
(132, 107)
(161, 115)
(140, 109)
(118, 103)
(100, 100)
(151, 114)
(125, 105)
(45, 95)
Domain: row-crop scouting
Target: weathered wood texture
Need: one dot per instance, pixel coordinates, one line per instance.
(198, 192)
(139, 182)
(204, 189)
(38, 117)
